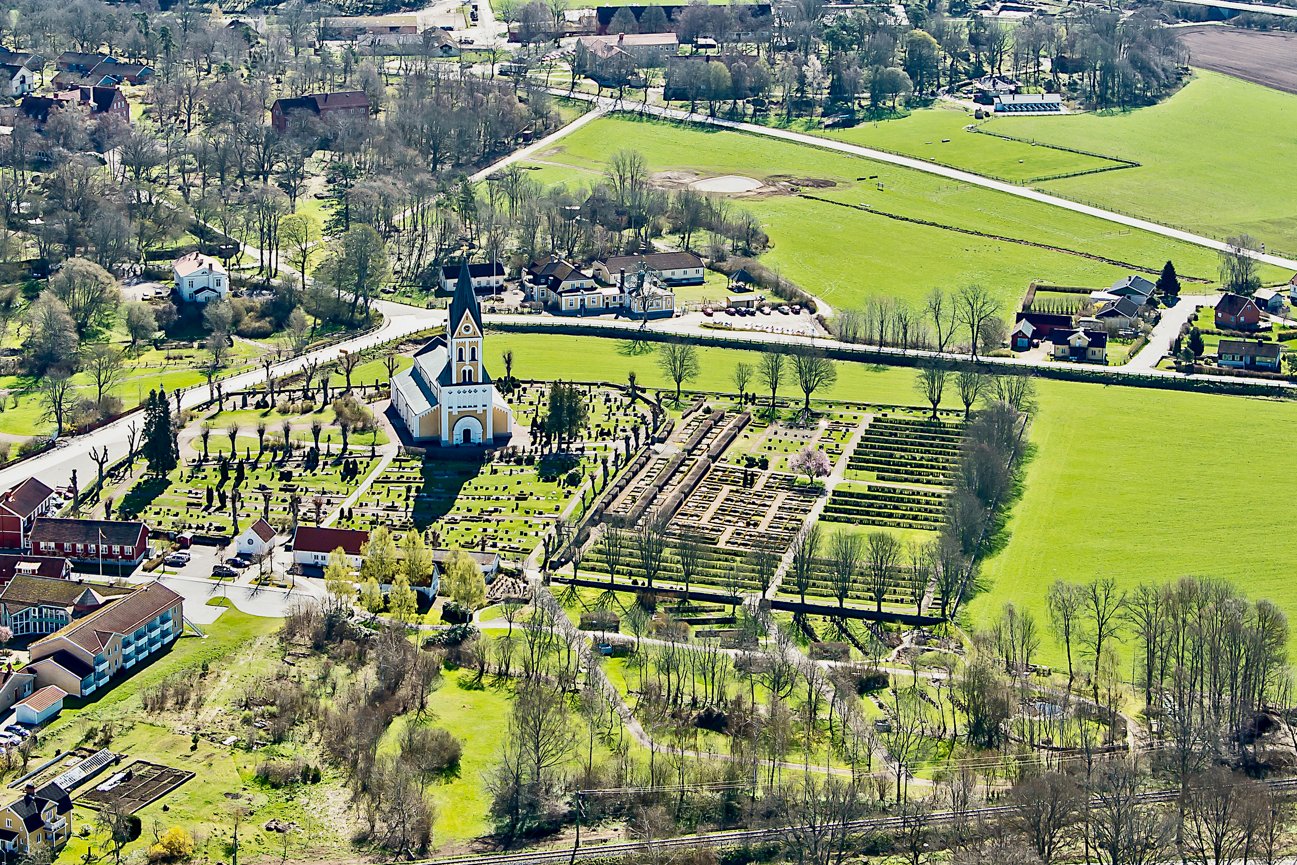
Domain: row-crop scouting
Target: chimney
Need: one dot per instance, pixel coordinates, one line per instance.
(622, 281)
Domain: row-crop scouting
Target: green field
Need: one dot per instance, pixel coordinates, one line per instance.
(1125, 482)
(1217, 158)
(845, 254)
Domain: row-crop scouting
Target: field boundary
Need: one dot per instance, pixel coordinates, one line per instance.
(1089, 255)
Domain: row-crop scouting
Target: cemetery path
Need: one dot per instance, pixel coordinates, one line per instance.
(835, 477)
(386, 453)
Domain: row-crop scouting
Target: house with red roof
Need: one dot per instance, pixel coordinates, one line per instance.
(313, 544)
(19, 508)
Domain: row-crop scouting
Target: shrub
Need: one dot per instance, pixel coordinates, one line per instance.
(600, 620)
(283, 773)
(871, 680)
(174, 844)
(451, 636)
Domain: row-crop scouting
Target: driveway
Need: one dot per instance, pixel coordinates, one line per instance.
(1168, 328)
(256, 601)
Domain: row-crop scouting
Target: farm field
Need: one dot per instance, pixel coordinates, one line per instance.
(1119, 476)
(1217, 159)
(847, 254)
(1131, 484)
(1268, 58)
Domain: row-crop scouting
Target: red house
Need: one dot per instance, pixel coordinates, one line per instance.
(90, 541)
(1236, 312)
(353, 103)
(19, 508)
(106, 102)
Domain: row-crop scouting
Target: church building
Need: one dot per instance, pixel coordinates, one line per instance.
(447, 396)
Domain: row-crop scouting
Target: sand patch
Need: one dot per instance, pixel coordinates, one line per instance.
(727, 183)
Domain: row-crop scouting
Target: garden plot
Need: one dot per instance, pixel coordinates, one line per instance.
(135, 786)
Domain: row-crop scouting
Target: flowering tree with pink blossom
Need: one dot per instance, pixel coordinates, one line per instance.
(812, 462)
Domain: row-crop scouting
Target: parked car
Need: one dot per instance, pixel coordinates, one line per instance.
(223, 571)
(729, 310)
(174, 561)
(784, 309)
(236, 562)
(707, 311)
(765, 310)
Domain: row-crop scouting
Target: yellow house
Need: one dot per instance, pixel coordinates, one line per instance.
(447, 397)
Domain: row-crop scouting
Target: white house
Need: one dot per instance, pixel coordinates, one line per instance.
(21, 79)
(1268, 299)
(487, 277)
(312, 545)
(200, 278)
(257, 539)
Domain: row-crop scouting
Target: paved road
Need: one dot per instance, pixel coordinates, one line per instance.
(1284, 11)
(257, 601)
(1167, 329)
(55, 467)
(919, 165)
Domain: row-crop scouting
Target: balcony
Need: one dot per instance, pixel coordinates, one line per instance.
(58, 824)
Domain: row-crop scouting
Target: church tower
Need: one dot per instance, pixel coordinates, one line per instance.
(464, 332)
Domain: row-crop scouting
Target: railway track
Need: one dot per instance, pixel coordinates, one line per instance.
(739, 837)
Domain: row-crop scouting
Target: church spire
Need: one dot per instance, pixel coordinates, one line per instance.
(465, 300)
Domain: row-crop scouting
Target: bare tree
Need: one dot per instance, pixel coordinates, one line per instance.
(650, 546)
(1066, 602)
(806, 546)
(104, 362)
(56, 396)
(882, 558)
(1104, 604)
(974, 306)
(813, 371)
(941, 311)
(1044, 809)
(771, 371)
(931, 382)
(679, 362)
(742, 377)
(844, 562)
(971, 385)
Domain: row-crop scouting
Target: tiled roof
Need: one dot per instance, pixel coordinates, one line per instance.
(193, 262)
(475, 271)
(25, 589)
(123, 616)
(659, 261)
(60, 531)
(320, 540)
(44, 698)
(263, 530)
(1248, 348)
(25, 498)
(1233, 304)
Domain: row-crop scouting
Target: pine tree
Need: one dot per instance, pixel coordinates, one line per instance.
(1168, 284)
(159, 439)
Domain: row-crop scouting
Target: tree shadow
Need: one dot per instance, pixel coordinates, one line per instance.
(635, 347)
(143, 494)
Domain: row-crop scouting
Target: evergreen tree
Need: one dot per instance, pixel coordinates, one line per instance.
(1195, 342)
(1168, 284)
(159, 439)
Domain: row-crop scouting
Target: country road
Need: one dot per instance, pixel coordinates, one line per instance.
(630, 107)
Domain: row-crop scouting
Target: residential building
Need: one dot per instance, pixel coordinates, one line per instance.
(117, 543)
(106, 102)
(447, 396)
(486, 277)
(19, 508)
(113, 71)
(37, 109)
(350, 103)
(41, 706)
(748, 20)
(33, 605)
(1123, 311)
(200, 278)
(672, 268)
(439, 43)
(1090, 346)
(82, 656)
(488, 563)
(15, 685)
(1236, 312)
(76, 68)
(16, 79)
(1268, 300)
(75, 61)
(1249, 354)
(39, 820)
(546, 279)
(312, 545)
(34, 62)
(1136, 287)
(50, 567)
(257, 539)
(644, 50)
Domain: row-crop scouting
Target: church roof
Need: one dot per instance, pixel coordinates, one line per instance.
(465, 300)
(417, 395)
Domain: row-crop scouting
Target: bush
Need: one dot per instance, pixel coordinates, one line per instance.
(600, 620)
(450, 637)
(871, 680)
(284, 773)
(455, 613)
(175, 843)
(830, 651)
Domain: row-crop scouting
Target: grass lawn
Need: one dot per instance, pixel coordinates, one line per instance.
(846, 254)
(1218, 158)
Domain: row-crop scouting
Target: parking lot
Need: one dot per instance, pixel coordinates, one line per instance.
(200, 564)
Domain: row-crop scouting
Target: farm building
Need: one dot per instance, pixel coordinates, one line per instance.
(1268, 300)
(673, 268)
(1236, 312)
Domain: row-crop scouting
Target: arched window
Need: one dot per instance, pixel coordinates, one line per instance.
(461, 354)
(472, 352)
(466, 376)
